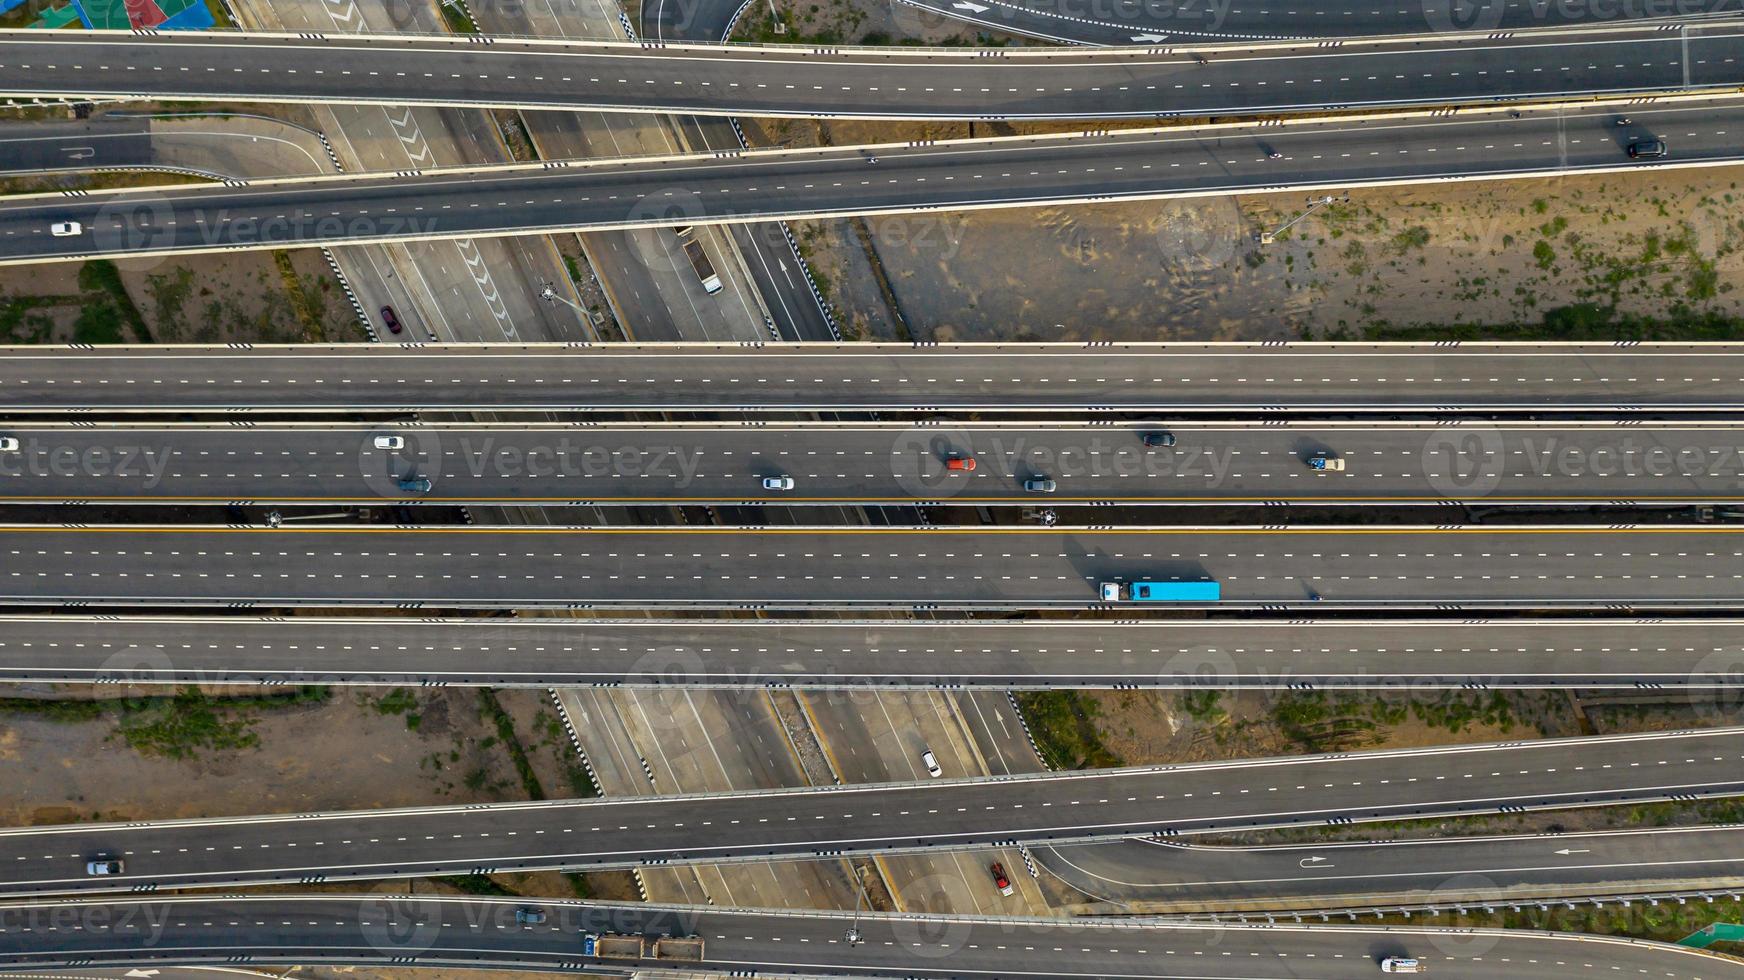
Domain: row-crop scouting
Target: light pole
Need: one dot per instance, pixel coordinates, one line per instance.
(1314, 204)
(854, 937)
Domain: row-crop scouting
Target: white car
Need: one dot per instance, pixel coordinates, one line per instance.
(104, 866)
(932, 764)
(8, 444)
(66, 229)
(390, 442)
(778, 483)
(1401, 964)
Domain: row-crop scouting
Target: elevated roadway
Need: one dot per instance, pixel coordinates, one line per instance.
(1201, 379)
(870, 463)
(1125, 22)
(1360, 567)
(1703, 658)
(424, 931)
(1174, 877)
(882, 817)
(734, 187)
(887, 83)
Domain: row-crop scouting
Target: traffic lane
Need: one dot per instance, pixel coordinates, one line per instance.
(943, 813)
(1699, 566)
(708, 79)
(1181, 378)
(107, 141)
(1445, 870)
(875, 463)
(1123, 22)
(862, 180)
(1696, 656)
(428, 930)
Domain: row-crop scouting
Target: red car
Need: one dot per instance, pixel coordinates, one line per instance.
(392, 321)
(964, 463)
(1000, 881)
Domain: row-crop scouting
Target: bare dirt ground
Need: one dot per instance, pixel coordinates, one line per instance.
(262, 297)
(1489, 253)
(360, 748)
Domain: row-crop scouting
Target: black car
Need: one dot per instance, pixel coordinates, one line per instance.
(1646, 149)
(1158, 439)
(391, 321)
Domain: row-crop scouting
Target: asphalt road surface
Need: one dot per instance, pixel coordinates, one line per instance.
(871, 83)
(427, 931)
(872, 463)
(742, 187)
(1156, 876)
(1178, 378)
(887, 817)
(1116, 22)
(1658, 566)
(1704, 657)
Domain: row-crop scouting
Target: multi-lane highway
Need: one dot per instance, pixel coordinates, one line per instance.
(803, 567)
(1119, 22)
(739, 187)
(1094, 804)
(1704, 657)
(425, 931)
(1201, 379)
(895, 82)
(1158, 876)
(870, 463)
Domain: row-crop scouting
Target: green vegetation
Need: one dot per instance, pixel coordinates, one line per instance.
(179, 726)
(1665, 922)
(1063, 724)
(457, 19)
(101, 276)
(1582, 321)
(476, 885)
(1204, 707)
(491, 710)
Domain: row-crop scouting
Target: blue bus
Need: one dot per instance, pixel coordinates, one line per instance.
(1162, 592)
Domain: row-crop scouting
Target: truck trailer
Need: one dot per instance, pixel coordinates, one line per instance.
(705, 271)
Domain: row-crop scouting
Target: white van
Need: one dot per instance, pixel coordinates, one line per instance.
(1401, 964)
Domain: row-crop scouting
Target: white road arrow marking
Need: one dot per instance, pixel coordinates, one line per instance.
(1574, 850)
(1314, 862)
(1149, 37)
(141, 973)
(973, 8)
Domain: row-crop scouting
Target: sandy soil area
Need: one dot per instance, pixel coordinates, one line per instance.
(345, 753)
(1492, 253)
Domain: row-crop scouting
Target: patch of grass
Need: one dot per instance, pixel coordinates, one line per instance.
(1063, 723)
(99, 322)
(1581, 321)
(179, 726)
(1204, 706)
(1543, 254)
(101, 275)
(66, 712)
(397, 702)
(490, 709)
(476, 885)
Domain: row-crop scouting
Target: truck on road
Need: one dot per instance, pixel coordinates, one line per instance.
(1162, 592)
(613, 946)
(678, 948)
(705, 272)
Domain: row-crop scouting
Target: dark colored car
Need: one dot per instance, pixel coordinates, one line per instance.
(528, 915)
(1158, 439)
(1646, 149)
(391, 321)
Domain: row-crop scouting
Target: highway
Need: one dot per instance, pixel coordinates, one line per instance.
(1198, 379)
(803, 567)
(1696, 656)
(871, 463)
(596, 833)
(1117, 22)
(882, 83)
(752, 186)
(425, 931)
(1172, 877)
